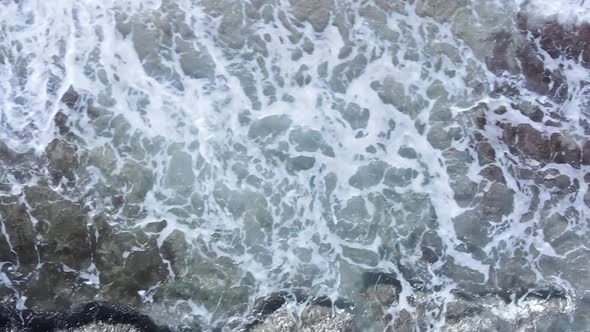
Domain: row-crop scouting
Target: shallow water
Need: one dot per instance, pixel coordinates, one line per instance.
(302, 146)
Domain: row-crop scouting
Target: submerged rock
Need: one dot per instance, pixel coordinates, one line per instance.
(300, 163)
(10, 157)
(369, 175)
(316, 12)
(63, 226)
(128, 263)
(272, 126)
(19, 238)
(357, 117)
(70, 98)
(63, 159)
(528, 142)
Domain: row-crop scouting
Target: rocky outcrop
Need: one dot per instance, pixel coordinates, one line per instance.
(19, 239)
(316, 12)
(63, 226)
(63, 159)
(87, 317)
(70, 98)
(529, 143)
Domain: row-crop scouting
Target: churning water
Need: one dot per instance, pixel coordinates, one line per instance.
(238, 148)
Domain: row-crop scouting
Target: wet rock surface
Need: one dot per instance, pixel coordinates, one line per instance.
(87, 317)
(156, 212)
(63, 159)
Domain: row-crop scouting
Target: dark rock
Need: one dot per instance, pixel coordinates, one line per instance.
(307, 140)
(538, 78)
(500, 110)
(142, 270)
(156, 226)
(9, 318)
(399, 177)
(464, 189)
(70, 98)
(368, 175)
(393, 93)
(19, 229)
(300, 163)
(502, 58)
(431, 246)
(561, 182)
(471, 228)
(357, 117)
(467, 279)
(272, 126)
(560, 40)
(108, 313)
(536, 115)
(565, 151)
(267, 305)
(7, 154)
(61, 121)
(11, 157)
(194, 63)
(514, 276)
(458, 310)
(127, 262)
(443, 115)
(63, 226)
(438, 137)
(493, 173)
(556, 232)
(429, 255)
(485, 153)
(89, 316)
(54, 287)
(565, 41)
(140, 179)
(407, 152)
(371, 279)
(526, 141)
(117, 201)
(180, 174)
(316, 12)
(404, 322)
(497, 201)
(174, 249)
(344, 73)
(586, 153)
(360, 256)
(110, 245)
(63, 159)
